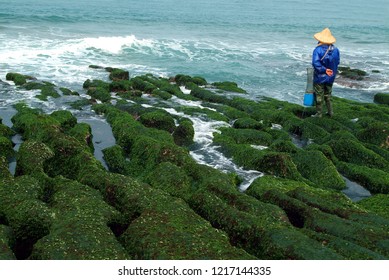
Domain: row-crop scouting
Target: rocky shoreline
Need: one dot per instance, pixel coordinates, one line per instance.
(157, 202)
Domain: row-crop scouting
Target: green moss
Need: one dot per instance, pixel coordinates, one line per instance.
(271, 239)
(6, 147)
(375, 180)
(67, 91)
(273, 163)
(79, 229)
(5, 250)
(6, 131)
(184, 133)
(378, 204)
(118, 74)
(80, 104)
(163, 94)
(248, 123)
(46, 91)
(184, 80)
(96, 84)
(284, 146)
(229, 86)
(328, 201)
(120, 86)
(115, 158)
(65, 118)
(376, 133)
(17, 78)
(306, 130)
(170, 178)
(314, 166)
(304, 216)
(247, 136)
(349, 250)
(175, 232)
(158, 119)
(83, 133)
(143, 85)
(147, 152)
(381, 98)
(262, 184)
(31, 157)
(100, 93)
(354, 74)
(354, 152)
(4, 170)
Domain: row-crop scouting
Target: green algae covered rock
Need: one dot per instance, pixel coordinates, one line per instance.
(381, 98)
(248, 123)
(5, 130)
(5, 249)
(354, 74)
(375, 180)
(314, 166)
(376, 133)
(304, 216)
(262, 184)
(79, 230)
(354, 152)
(6, 147)
(170, 178)
(229, 86)
(184, 133)
(115, 158)
(31, 157)
(377, 203)
(4, 170)
(28, 217)
(83, 133)
(184, 80)
(96, 84)
(17, 78)
(66, 91)
(118, 74)
(100, 93)
(265, 238)
(46, 91)
(349, 250)
(65, 118)
(158, 119)
(175, 232)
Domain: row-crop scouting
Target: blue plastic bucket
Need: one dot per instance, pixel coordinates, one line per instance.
(309, 99)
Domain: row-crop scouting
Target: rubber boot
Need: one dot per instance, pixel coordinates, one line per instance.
(330, 112)
(318, 111)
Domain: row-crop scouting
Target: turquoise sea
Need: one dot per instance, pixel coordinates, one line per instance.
(263, 45)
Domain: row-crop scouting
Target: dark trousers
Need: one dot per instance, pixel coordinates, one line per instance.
(323, 92)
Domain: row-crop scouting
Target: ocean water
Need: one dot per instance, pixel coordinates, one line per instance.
(263, 45)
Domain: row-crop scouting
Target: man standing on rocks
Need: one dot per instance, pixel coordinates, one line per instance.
(325, 60)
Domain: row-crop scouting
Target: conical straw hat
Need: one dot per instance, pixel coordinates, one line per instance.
(325, 37)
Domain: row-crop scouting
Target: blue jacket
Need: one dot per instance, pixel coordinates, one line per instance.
(330, 61)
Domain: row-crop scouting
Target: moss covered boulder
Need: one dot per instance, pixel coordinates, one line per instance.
(184, 133)
(175, 232)
(158, 119)
(378, 204)
(229, 86)
(314, 166)
(382, 98)
(80, 225)
(6, 252)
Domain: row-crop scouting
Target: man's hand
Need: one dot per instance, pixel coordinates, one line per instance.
(329, 72)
